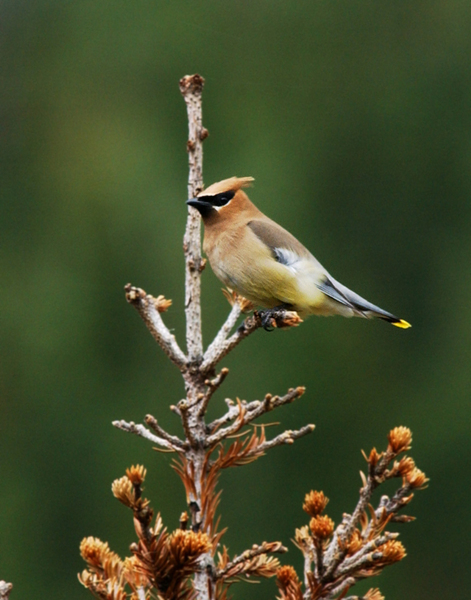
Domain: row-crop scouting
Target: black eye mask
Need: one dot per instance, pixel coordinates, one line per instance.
(218, 199)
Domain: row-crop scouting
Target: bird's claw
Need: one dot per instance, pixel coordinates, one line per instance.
(267, 319)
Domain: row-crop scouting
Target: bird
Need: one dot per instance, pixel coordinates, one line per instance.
(261, 261)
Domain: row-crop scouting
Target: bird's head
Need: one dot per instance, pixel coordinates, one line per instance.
(221, 197)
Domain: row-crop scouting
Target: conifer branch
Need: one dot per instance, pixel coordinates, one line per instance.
(182, 564)
(359, 547)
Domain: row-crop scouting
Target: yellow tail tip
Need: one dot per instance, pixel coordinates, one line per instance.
(402, 324)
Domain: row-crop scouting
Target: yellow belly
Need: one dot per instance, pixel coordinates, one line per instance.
(268, 284)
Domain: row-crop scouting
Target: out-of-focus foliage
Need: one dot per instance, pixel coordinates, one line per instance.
(354, 118)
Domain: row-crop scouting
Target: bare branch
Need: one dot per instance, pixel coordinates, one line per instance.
(230, 430)
(252, 411)
(230, 415)
(213, 385)
(160, 431)
(145, 305)
(233, 412)
(140, 430)
(191, 87)
(287, 437)
(221, 346)
(270, 402)
(185, 416)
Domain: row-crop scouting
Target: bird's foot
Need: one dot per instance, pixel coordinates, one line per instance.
(267, 319)
(273, 317)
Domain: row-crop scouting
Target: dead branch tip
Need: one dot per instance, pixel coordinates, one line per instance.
(191, 84)
(134, 294)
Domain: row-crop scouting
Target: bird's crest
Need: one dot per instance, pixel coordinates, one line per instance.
(232, 184)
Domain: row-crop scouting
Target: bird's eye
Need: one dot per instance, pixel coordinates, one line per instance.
(222, 198)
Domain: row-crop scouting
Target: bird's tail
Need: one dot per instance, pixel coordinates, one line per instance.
(394, 320)
(402, 324)
(370, 310)
(362, 307)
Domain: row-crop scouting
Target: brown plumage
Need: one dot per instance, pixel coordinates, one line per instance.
(257, 258)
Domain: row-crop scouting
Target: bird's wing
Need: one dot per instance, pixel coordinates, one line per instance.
(285, 248)
(328, 287)
(288, 251)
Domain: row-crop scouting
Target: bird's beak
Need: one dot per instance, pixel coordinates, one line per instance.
(200, 205)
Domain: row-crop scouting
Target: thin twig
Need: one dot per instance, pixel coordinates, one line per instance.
(270, 402)
(229, 416)
(258, 409)
(160, 431)
(287, 437)
(140, 430)
(233, 413)
(213, 385)
(184, 409)
(229, 431)
(145, 305)
(221, 346)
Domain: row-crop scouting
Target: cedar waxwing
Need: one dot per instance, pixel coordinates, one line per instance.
(258, 259)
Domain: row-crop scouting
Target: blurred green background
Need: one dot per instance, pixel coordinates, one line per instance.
(354, 118)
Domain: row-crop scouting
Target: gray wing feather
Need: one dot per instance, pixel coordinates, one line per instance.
(328, 288)
(274, 237)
